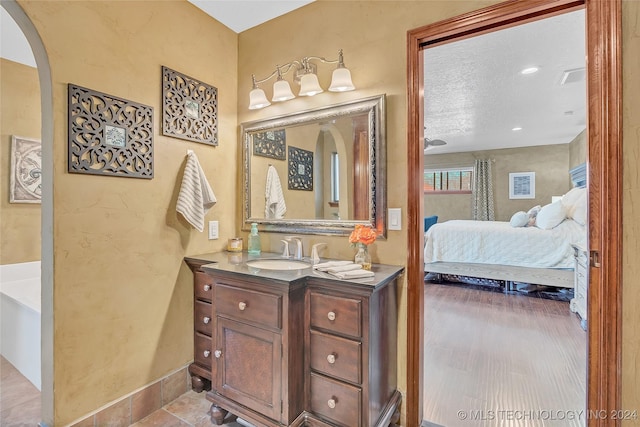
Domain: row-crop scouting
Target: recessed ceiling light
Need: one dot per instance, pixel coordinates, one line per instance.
(517, 128)
(530, 70)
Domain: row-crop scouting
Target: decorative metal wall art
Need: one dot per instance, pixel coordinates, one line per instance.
(271, 143)
(189, 108)
(109, 136)
(300, 169)
(26, 170)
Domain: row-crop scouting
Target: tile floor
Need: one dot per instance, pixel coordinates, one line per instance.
(189, 410)
(19, 399)
(20, 406)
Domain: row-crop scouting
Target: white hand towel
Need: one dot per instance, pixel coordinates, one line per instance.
(324, 266)
(354, 274)
(275, 207)
(196, 196)
(343, 268)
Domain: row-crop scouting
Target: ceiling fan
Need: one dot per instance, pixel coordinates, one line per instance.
(433, 142)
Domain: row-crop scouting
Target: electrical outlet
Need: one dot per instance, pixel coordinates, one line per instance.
(213, 230)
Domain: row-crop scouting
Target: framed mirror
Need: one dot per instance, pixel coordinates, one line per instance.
(320, 171)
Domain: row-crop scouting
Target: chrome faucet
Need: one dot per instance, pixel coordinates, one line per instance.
(285, 252)
(298, 252)
(315, 258)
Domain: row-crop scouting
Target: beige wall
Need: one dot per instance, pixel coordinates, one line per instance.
(19, 116)
(123, 304)
(630, 199)
(549, 162)
(578, 150)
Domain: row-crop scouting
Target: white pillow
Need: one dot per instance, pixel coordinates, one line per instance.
(580, 209)
(519, 219)
(569, 200)
(551, 215)
(533, 212)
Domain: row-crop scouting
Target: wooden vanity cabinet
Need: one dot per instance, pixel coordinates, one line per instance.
(304, 351)
(200, 369)
(351, 354)
(258, 349)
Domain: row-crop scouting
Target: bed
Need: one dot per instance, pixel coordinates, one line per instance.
(539, 252)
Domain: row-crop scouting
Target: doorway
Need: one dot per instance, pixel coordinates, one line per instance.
(604, 156)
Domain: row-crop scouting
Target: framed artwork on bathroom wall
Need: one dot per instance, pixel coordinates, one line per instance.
(25, 183)
(189, 108)
(108, 135)
(271, 143)
(300, 169)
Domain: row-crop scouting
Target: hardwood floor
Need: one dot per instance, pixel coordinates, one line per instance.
(501, 359)
(19, 399)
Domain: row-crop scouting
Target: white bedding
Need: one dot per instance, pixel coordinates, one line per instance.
(497, 242)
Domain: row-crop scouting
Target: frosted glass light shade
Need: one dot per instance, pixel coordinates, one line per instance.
(341, 80)
(258, 99)
(282, 91)
(309, 85)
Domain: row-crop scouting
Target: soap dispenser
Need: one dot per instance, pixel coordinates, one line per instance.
(254, 240)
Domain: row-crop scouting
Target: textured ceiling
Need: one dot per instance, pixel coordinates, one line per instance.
(475, 94)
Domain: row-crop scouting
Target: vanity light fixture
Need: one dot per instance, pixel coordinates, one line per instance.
(305, 75)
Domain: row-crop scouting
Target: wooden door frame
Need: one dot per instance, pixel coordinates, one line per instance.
(604, 91)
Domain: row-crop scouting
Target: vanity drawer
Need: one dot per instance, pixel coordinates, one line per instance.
(248, 305)
(335, 356)
(202, 317)
(202, 350)
(339, 402)
(337, 314)
(203, 286)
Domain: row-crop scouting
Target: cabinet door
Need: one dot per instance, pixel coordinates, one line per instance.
(249, 366)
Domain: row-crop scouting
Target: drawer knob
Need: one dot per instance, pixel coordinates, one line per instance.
(331, 315)
(331, 358)
(242, 306)
(206, 319)
(217, 354)
(206, 353)
(331, 403)
(207, 288)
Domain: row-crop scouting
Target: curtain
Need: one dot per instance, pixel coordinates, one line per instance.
(482, 206)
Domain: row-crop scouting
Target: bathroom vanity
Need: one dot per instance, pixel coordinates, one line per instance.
(294, 348)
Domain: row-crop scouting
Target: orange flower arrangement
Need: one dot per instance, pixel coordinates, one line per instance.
(363, 234)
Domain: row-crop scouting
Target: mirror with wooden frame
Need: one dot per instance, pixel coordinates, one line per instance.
(320, 171)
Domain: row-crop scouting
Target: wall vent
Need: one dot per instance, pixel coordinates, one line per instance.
(575, 75)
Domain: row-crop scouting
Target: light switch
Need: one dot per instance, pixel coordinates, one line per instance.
(213, 230)
(395, 219)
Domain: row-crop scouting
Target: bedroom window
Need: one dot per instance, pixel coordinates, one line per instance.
(447, 181)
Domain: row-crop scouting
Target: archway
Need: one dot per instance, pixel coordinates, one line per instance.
(46, 94)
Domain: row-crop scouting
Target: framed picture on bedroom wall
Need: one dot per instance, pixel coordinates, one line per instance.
(522, 185)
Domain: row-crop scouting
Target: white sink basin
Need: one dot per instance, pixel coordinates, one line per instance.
(278, 264)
